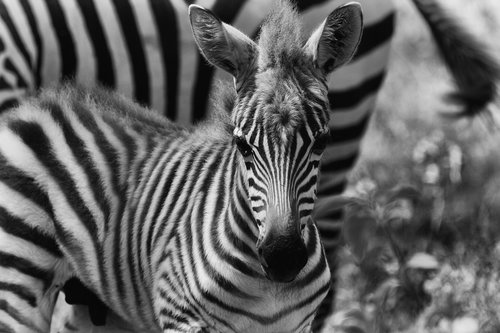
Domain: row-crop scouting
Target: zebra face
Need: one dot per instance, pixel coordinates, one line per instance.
(281, 174)
(280, 118)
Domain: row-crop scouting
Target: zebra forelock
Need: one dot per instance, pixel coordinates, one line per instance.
(282, 105)
(281, 38)
(287, 91)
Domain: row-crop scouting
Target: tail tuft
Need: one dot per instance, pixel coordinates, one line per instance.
(474, 71)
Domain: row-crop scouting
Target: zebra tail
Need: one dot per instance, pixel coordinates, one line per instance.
(473, 69)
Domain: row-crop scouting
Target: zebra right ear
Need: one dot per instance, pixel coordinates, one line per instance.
(335, 41)
(221, 44)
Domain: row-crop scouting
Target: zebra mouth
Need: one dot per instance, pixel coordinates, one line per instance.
(282, 275)
(282, 260)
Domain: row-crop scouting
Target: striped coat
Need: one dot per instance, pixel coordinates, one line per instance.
(208, 229)
(145, 49)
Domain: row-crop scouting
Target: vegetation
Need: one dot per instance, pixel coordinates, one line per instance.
(423, 218)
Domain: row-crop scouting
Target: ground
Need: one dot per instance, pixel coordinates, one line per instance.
(428, 197)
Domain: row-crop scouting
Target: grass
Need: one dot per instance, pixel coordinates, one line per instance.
(427, 202)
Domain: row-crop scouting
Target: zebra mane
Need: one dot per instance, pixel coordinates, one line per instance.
(111, 105)
(281, 39)
(222, 102)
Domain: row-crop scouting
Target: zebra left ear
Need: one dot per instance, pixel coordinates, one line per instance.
(335, 41)
(221, 44)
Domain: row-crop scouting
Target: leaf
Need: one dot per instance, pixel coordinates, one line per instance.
(401, 209)
(360, 234)
(404, 192)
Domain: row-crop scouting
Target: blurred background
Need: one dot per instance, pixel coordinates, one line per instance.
(429, 185)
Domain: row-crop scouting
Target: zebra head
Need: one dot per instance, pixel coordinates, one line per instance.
(280, 117)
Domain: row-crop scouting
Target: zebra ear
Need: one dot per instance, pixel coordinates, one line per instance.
(221, 44)
(335, 41)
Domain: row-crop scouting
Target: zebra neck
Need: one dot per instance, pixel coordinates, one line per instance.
(215, 216)
(239, 227)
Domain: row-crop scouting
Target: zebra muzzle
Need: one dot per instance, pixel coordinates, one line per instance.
(282, 256)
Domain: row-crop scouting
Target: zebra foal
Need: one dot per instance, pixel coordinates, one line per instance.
(178, 230)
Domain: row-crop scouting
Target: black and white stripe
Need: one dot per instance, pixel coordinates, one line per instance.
(145, 50)
(174, 229)
(128, 45)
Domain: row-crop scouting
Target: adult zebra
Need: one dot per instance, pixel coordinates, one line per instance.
(145, 49)
(90, 186)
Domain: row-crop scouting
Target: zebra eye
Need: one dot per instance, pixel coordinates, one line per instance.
(320, 143)
(243, 146)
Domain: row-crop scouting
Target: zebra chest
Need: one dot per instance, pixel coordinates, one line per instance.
(263, 306)
(217, 296)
